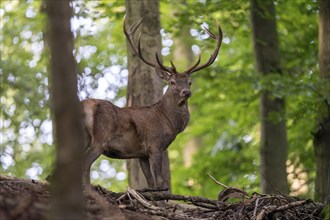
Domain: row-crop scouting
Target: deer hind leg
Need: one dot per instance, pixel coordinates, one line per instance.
(91, 154)
(145, 166)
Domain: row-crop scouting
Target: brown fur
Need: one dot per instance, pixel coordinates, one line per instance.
(136, 132)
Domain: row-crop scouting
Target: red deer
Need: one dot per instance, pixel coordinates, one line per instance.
(142, 132)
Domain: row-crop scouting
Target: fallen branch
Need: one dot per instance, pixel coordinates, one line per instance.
(272, 208)
(157, 196)
(232, 192)
(141, 200)
(255, 209)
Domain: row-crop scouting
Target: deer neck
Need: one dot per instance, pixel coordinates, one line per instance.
(177, 115)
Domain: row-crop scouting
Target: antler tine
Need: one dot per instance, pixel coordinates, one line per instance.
(194, 66)
(130, 35)
(161, 64)
(139, 54)
(210, 33)
(135, 26)
(213, 56)
(137, 49)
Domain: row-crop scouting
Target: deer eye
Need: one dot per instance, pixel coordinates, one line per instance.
(189, 83)
(172, 82)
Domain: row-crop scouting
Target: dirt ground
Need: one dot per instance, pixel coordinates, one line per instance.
(29, 199)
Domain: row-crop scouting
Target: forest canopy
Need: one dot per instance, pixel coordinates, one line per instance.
(223, 136)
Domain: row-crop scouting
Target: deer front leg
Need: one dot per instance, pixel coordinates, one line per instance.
(156, 159)
(145, 166)
(91, 154)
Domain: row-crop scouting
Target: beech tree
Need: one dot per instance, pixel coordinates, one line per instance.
(273, 140)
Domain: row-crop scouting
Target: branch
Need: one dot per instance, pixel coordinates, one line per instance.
(141, 200)
(272, 208)
(217, 182)
(166, 196)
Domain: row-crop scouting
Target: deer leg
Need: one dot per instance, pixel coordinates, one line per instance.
(156, 160)
(91, 154)
(145, 166)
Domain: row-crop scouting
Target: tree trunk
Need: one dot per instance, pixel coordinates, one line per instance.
(273, 149)
(144, 86)
(67, 186)
(322, 136)
(182, 54)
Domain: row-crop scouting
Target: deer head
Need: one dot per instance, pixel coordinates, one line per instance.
(179, 83)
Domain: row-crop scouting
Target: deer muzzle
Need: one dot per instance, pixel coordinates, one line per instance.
(185, 93)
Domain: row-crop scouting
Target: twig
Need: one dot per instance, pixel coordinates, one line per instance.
(170, 215)
(129, 197)
(140, 199)
(152, 190)
(232, 192)
(265, 211)
(255, 209)
(168, 196)
(122, 197)
(217, 182)
(272, 209)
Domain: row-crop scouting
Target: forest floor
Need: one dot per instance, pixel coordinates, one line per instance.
(29, 199)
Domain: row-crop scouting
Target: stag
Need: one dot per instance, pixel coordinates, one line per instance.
(142, 132)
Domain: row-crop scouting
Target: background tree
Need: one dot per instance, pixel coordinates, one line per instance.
(322, 135)
(144, 86)
(69, 135)
(273, 140)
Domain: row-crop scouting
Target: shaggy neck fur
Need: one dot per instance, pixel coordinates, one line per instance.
(177, 114)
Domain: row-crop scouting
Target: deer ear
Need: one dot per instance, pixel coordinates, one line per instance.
(163, 74)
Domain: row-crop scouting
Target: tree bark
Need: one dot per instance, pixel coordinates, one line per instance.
(322, 136)
(144, 86)
(67, 187)
(183, 41)
(273, 149)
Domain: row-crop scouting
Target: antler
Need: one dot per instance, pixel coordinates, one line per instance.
(159, 65)
(213, 56)
(138, 51)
